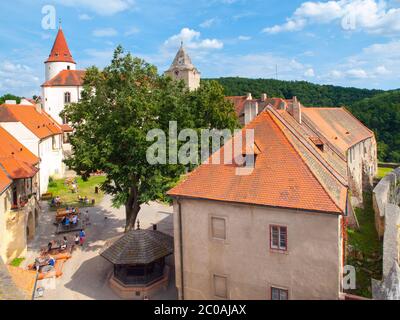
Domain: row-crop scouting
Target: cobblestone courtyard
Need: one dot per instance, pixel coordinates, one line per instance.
(85, 274)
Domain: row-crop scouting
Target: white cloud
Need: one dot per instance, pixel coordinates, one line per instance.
(244, 38)
(84, 17)
(309, 73)
(375, 65)
(101, 7)
(207, 23)
(357, 73)
(105, 32)
(131, 31)
(17, 78)
(372, 16)
(192, 40)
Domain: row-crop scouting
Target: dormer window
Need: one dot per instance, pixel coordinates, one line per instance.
(318, 143)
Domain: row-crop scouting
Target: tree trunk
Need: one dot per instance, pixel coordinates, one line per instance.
(132, 208)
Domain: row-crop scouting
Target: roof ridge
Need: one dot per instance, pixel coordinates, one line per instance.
(310, 148)
(306, 164)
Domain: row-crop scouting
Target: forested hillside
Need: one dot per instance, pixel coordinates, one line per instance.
(309, 94)
(381, 113)
(377, 109)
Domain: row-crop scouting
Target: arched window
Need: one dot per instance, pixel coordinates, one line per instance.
(67, 97)
(69, 68)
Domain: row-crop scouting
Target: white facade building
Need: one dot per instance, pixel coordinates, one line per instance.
(39, 133)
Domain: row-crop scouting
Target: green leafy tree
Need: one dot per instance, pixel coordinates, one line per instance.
(119, 106)
(9, 96)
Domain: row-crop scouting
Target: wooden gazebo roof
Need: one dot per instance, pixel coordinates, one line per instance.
(139, 247)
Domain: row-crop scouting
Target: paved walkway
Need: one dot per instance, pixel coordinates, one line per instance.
(85, 274)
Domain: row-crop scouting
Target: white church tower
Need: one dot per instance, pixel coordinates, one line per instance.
(63, 83)
(182, 68)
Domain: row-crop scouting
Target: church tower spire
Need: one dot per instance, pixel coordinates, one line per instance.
(182, 68)
(60, 57)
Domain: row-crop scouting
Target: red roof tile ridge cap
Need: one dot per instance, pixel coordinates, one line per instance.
(309, 169)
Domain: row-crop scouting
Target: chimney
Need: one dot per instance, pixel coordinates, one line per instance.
(264, 97)
(249, 97)
(250, 111)
(11, 102)
(38, 107)
(296, 110)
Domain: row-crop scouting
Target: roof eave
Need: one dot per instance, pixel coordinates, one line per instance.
(179, 196)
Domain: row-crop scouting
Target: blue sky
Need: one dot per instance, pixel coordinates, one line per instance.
(343, 42)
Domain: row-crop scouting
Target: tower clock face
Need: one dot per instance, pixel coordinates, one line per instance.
(180, 60)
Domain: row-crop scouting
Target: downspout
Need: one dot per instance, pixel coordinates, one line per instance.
(181, 248)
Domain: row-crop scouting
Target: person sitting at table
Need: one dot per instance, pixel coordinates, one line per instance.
(86, 200)
(74, 219)
(52, 262)
(49, 246)
(64, 244)
(67, 221)
(53, 202)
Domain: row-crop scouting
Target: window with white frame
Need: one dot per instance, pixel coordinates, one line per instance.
(278, 236)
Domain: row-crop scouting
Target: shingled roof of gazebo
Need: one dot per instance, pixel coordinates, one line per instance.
(139, 247)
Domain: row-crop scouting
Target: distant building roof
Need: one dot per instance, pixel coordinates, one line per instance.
(67, 78)
(60, 51)
(139, 247)
(39, 123)
(288, 173)
(337, 125)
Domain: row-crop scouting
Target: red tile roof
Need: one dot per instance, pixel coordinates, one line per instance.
(5, 180)
(337, 125)
(16, 161)
(17, 169)
(286, 175)
(37, 122)
(66, 128)
(9, 146)
(60, 51)
(66, 78)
